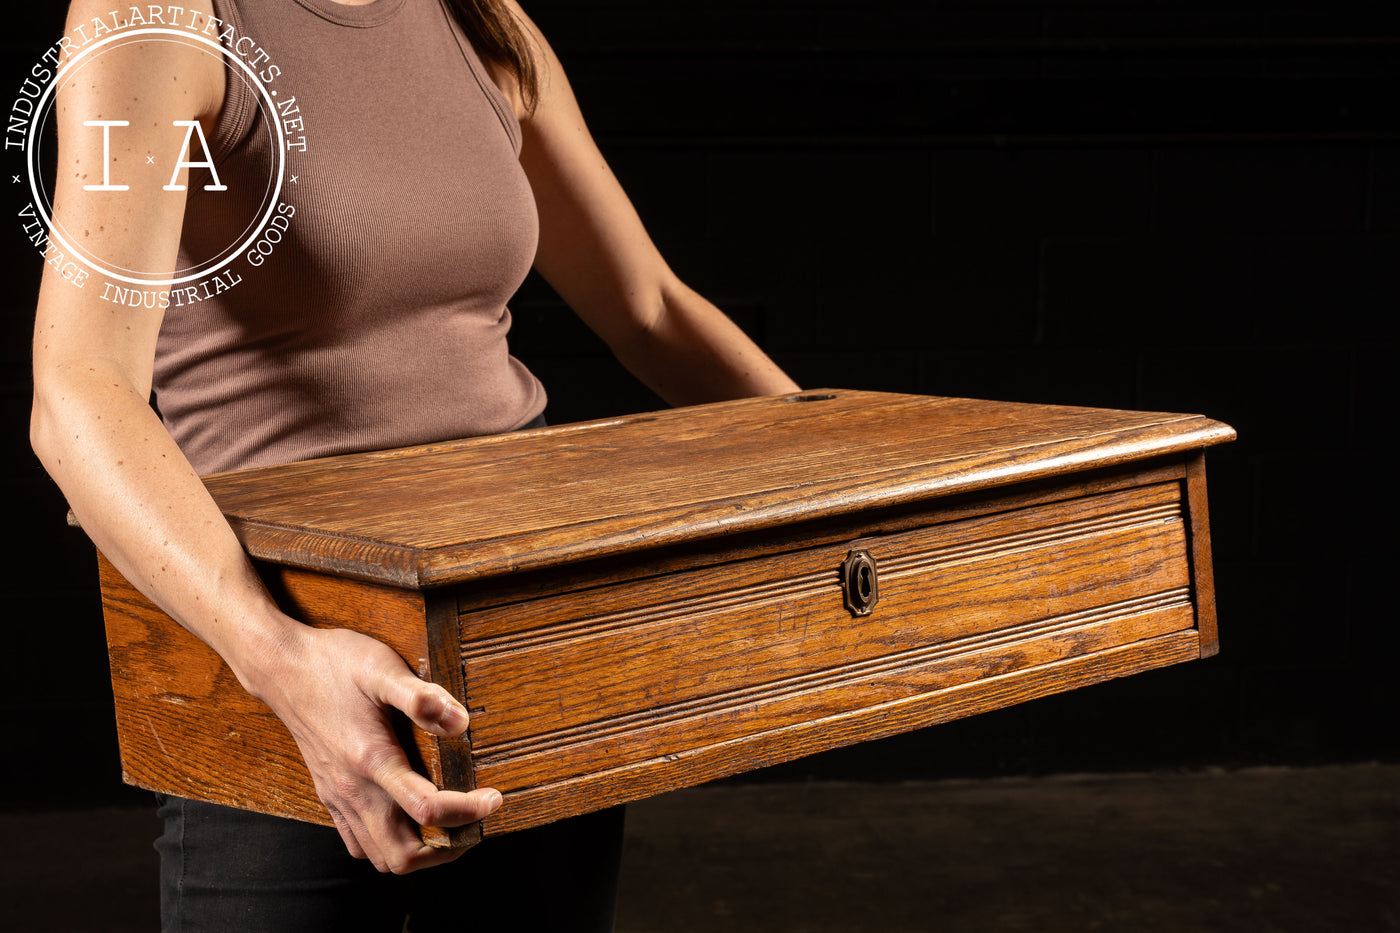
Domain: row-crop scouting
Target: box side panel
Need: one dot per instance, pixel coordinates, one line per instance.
(187, 727)
(1202, 566)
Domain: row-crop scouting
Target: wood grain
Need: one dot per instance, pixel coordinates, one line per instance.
(455, 754)
(448, 513)
(667, 641)
(606, 787)
(1202, 565)
(635, 605)
(810, 532)
(624, 678)
(187, 727)
(735, 714)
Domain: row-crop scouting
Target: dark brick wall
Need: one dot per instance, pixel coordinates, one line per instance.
(1190, 207)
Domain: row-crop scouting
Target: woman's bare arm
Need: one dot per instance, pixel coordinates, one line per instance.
(596, 253)
(141, 501)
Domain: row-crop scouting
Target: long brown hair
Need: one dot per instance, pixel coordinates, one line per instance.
(499, 38)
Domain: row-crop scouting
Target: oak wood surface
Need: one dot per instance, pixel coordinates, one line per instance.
(641, 604)
(445, 513)
(544, 803)
(457, 771)
(808, 533)
(1202, 566)
(591, 656)
(596, 689)
(187, 727)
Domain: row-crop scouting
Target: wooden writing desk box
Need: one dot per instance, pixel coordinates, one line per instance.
(636, 605)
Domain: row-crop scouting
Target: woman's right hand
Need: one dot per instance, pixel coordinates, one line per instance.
(334, 689)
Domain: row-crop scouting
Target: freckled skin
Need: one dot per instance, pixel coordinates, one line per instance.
(159, 525)
(156, 522)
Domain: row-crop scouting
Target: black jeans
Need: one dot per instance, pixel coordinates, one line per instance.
(228, 870)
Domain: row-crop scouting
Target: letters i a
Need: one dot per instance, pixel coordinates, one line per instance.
(192, 128)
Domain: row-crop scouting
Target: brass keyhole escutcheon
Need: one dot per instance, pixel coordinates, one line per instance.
(860, 582)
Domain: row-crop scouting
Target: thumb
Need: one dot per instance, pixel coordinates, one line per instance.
(428, 705)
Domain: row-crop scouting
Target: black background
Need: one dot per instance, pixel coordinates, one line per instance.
(1189, 206)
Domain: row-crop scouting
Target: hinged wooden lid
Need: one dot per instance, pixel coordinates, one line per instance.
(445, 513)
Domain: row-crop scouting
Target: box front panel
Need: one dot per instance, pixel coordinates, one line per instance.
(610, 680)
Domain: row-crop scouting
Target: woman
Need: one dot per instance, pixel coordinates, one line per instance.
(379, 321)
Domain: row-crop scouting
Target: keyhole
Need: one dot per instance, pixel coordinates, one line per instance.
(860, 582)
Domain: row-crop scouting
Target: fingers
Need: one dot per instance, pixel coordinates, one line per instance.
(372, 826)
(431, 707)
(374, 797)
(386, 831)
(390, 800)
(347, 834)
(421, 800)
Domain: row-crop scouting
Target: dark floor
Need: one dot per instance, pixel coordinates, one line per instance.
(1255, 851)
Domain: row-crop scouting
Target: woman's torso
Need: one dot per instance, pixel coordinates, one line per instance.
(379, 318)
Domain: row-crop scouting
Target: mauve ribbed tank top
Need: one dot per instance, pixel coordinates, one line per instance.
(380, 320)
